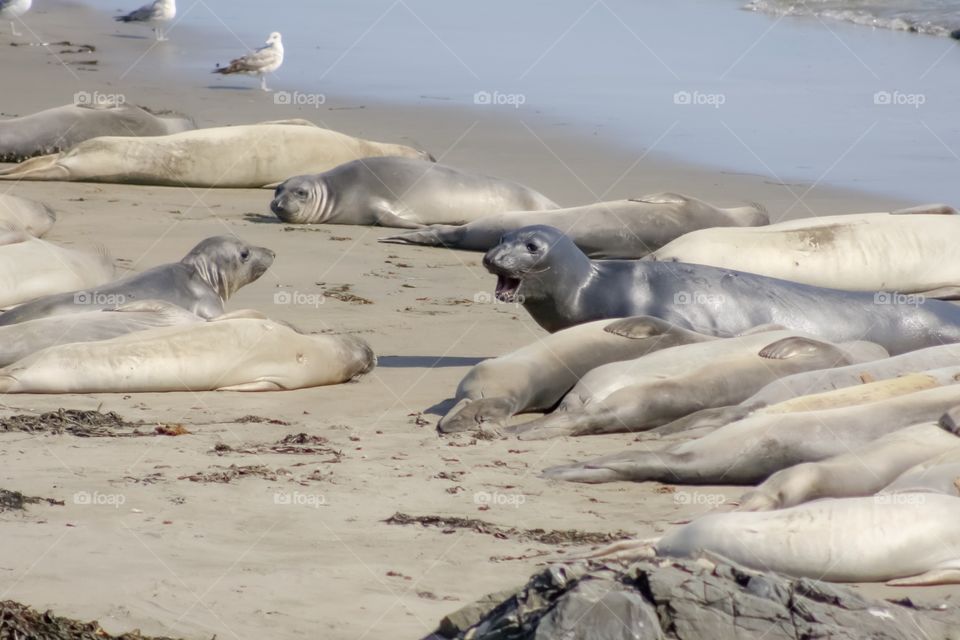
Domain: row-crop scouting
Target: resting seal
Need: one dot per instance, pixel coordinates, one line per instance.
(226, 354)
(60, 128)
(619, 229)
(398, 192)
(560, 287)
(646, 392)
(536, 376)
(910, 251)
(201, 282)
(27, 216)
(251, 156)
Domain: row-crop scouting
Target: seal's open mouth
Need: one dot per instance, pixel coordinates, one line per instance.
(507, 288)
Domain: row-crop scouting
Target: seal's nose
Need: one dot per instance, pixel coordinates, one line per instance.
(490, 259)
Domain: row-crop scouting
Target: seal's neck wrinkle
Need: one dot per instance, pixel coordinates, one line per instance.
(211, 275)
(324, 202)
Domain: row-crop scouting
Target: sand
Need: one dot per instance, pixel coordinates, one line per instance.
(304, 552)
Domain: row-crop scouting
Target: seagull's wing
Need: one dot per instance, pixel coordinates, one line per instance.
(144, 14)
(262, 58)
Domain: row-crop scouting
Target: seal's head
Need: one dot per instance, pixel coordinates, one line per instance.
(227, 263)
(301, 200)
(526, 262)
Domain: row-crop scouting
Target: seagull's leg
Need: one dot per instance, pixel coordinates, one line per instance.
(13, 28)
(159, 33)
(263, 82)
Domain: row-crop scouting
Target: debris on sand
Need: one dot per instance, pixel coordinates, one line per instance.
(261, 419)
(451, 524)
(224, 475)
(342, 293)
(16, 501)
(292, 444)
(76, 422)
(673, 599)
(20, 621)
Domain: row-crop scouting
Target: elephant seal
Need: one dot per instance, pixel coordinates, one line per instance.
(646, 392)
(861, 472)
(907, 542)
(748, 451)
(536, 376)
(226, 354)
(31, 268)
(624, 229)
(851, 252)
(245, 156)
(200, 283)
(28, 216)
(398, 192)
(20, 340)
(560, 287)
(60, 128)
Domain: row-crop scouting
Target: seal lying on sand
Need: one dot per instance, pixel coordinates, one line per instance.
(60, 128)
(748, 451)
(646, 392)
(561, 287)
(398, 192)
(535, 377)
(31, 268)
(251, 156)
(28, 216)
(20, 340)
(231, 353)
(619, 229)
(913, 252)
(201, 282)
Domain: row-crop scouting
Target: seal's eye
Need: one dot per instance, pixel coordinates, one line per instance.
(532, 248)
(301, 193)
(245, 255)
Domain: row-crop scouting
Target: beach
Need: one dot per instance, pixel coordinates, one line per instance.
(297, 545)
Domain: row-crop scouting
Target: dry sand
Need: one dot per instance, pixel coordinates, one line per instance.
(192, 559)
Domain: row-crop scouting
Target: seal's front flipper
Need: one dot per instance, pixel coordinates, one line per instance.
(384, 217)
(477, 414)
(948, 574)
(433, 236)
(940, 293)
(792, 347)
(40, 168)
(762, 328)
(638, 327)
(936, 209)
(259, 385)
(579, 473)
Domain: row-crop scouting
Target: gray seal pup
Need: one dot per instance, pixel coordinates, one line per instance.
(536, 376)
(646, 392)
(625, 229)
(750, 450)
(244, 156)
(399, 192)
(560, 287)
(201, 282)
(230, 353)
(55, 130)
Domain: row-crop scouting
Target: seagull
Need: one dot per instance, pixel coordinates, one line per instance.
(12, 9)
(264, 60)
(158, 11)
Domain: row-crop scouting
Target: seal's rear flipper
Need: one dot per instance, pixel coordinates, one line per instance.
(940, 293)
(791, 348)
(39, 168)
(159, 307)
(437, 235)
(251, 314)
(950, 421)
(259, 385)
(638, 327)
(936, 209)
(949, 574)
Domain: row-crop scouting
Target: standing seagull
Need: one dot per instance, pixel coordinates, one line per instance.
(264, 60)
(156, 13)
(12, 9)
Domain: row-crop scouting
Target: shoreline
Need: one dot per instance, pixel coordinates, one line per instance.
(192, 558)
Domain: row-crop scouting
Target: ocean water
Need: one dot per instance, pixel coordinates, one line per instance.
(699, 80)
(934, 17)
